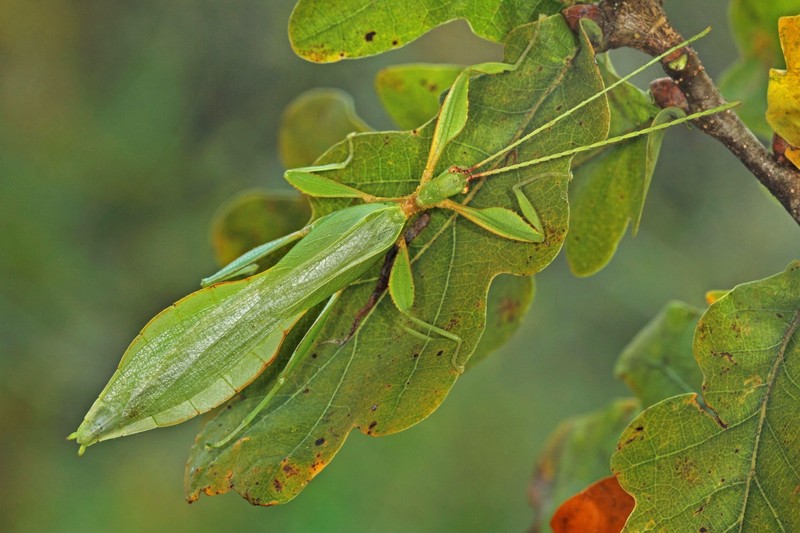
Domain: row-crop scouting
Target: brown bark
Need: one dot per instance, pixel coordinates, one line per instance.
(643, 25)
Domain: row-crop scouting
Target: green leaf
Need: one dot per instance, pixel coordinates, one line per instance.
(315, 121)
(509, 299)
(576, 455)
(755, 24)
(611, 183)
(658, 362)
(385, 379)
(322, 32)
(253, 218)
(410, 93)
(734, 468)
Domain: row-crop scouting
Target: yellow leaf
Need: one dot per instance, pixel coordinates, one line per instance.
(783, 96)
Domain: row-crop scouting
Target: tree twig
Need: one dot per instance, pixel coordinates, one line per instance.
(643, 25)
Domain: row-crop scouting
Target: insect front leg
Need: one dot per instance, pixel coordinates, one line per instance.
(246, 264)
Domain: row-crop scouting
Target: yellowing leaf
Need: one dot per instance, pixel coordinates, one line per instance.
(783, 95)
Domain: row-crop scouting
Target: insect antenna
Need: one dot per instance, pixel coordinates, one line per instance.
(592, 98)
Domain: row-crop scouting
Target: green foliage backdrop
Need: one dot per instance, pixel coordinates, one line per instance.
(123, 127)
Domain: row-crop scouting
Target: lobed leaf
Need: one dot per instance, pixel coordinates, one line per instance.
(736, 466)
(385, 378)
(410, 93)
(322, 32)
(658, 362)
(611, 183)
(315, 121)
(577, 454)
(253, 218)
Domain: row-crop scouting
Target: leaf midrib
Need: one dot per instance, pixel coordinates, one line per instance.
(770, 383)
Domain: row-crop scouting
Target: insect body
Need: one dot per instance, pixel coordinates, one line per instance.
(199, 352)
(204, 348)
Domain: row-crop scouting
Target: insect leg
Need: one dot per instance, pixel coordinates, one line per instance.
(525, 205)
(299, 354)
(458, 366)
(246, 263)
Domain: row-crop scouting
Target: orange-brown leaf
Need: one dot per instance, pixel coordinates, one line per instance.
(602, 507)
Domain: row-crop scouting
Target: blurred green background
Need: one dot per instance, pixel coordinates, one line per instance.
(123, 125)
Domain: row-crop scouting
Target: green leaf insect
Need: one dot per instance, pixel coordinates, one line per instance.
(203, 349)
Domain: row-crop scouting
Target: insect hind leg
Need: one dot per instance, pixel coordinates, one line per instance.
(454, 362)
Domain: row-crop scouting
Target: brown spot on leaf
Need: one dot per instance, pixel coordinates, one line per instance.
(317, 466)
(277, 484)
(369, 36)
(698, 511)
(686, 469)
(319, 442)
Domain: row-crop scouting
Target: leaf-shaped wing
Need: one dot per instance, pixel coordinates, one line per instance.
(393, 373)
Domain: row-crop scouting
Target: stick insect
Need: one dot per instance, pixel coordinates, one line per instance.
(206, 347)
